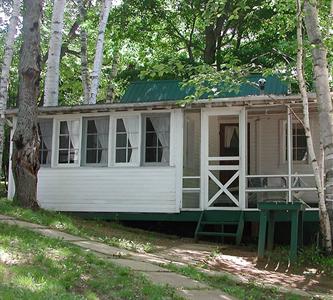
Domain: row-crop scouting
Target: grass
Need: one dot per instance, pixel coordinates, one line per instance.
(110, 233)
(249, 291)
(36, 267)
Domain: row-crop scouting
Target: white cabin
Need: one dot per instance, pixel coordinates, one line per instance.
(152, 154)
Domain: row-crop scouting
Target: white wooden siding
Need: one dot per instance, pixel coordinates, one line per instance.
(114, 188)
(132, 189)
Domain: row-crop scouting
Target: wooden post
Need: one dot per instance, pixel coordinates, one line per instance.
(294, 234)
(242, 157)
(270, 234)
(262, 233)
(289, 147)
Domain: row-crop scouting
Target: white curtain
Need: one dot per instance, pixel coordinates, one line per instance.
(229, 132)
(162, 128)
(46, 132)
(73, 130)
(102, 126)
(131, 125)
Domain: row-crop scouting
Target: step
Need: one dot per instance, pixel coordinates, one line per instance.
(213, 233)
(219, 223)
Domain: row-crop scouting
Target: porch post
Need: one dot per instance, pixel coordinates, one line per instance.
(242, 157)
(289, 152)
(204, 160)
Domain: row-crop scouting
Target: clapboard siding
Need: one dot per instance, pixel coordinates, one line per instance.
(151, 189)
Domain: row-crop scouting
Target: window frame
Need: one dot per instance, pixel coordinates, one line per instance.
(114, 147)
(143, 142)
(83, 149)
(57, 135)
(51, 151)
(283, 137)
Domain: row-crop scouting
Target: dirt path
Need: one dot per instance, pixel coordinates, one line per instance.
(243, 264)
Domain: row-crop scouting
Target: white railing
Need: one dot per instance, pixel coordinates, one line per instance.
(289, 186)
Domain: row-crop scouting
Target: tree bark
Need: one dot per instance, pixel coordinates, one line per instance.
(5, 70)
(321, 76)
(105, 10)
(324, 217)
(84, 56)
(51, 93)
(25, 162)
(114, 71)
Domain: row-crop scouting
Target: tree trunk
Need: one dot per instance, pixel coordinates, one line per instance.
(25, 162)
(114, 71)
(5, 69)
(324, 218)
(52, 74)
(321, 76)
(84, 56)
(105, 10)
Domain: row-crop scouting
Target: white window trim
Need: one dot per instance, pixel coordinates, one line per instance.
(84, 146)
(283, 148)
(143, 137)
(48, 166)
(57, 121)
(114, 136)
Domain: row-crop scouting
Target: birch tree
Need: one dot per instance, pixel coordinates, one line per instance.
(25, 162)
(5, 69)
(324, 217)
(84, 56)
(104, 15)
(52, 74)
(321, 76)
(110, 97)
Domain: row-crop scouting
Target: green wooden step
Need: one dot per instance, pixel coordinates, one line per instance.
(213, 233)
(219, 222)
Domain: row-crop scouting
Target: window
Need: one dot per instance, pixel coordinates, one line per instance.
(69, 142)
(299, 145)
(45, 127)
(157, 139)
(127, 140)
(96, 138)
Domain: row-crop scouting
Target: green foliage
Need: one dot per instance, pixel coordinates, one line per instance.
(160, 39)
(36, 267)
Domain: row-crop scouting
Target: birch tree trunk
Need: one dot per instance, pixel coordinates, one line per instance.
(84, 56)
(105, 10)
(25, 162)
(51, 92)
(324, 217)
(114, 71)
(5, 70)
(321, 76)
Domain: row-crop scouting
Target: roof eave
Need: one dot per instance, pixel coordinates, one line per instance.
(107, 107)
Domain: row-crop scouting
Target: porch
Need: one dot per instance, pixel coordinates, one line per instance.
(237, 157)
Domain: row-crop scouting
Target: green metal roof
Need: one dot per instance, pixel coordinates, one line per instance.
(171, 90)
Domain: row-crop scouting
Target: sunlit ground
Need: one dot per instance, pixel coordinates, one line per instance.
(243, 263)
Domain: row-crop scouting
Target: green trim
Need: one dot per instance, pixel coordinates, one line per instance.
(193, 216)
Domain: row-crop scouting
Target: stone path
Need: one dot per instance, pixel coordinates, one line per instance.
(143, 263)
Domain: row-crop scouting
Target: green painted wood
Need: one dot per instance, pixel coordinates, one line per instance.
(214, 233)
(193, 216)
(199, 226)
(270, 231)
(240, 229)
(219, 223)
(262, 234)
(268, 213)
(294, 235)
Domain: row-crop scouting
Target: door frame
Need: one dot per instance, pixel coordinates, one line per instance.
(242, 121)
